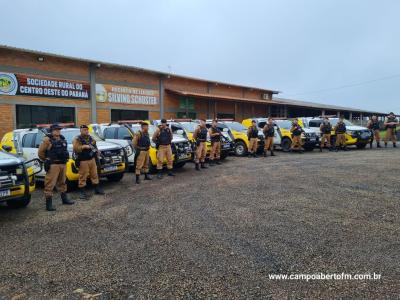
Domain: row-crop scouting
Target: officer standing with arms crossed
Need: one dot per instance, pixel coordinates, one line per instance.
(373, 125)
(163, 139)
(87, 153)
(252, 135)
(215, 136)
(296, 131)
(326, 129)
(391, 123)
(141, 143)
(53, 151)
(200, 135)
(340, 130)
(269, 132)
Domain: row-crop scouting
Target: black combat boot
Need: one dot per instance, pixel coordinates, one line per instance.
(147, 176)
(370, 145)
(82, 194)
(378, 145)
(66, 200)
(217, 162)
(203, 166)
(394, 145)
(170, 173)
(197, 167)
(159, 174)
(250, 155)
(255, 155)
(137, 179)
(272, 153)
(320, 149)
(49, 204)
(211, 163)
(265, 153)
(98, 190)
(385, 145)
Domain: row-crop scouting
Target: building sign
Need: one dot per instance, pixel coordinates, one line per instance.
(126, 95)
(39, 86)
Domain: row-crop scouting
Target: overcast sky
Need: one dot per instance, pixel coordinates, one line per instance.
(304, 48)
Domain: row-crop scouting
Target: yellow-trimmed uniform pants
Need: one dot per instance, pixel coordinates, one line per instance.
(55, 177)
(325, 138)
(296, 142)
(201, 151)
(142, 162)
(340, 140)
(390, 135)
(377, 135)
(215, 150)
(253, 144)
(269, 143)
(88, 169)
(164, 152)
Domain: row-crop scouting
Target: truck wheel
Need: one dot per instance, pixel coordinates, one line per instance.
(19, 203)
(240, 149)
(285, 144)
(115, 177)
(179, 165)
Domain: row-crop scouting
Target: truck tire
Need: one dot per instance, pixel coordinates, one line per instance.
(19, 203)
(240, 148)
(361, 146)
(115, 177)
(285, 144)
(179, 165)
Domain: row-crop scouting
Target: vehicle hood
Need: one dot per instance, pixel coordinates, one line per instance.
(353, 128)
(178, 138)
(9, 159)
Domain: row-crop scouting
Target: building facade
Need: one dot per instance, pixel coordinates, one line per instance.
(41, 88)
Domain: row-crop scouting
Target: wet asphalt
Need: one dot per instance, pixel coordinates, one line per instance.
(216, 234)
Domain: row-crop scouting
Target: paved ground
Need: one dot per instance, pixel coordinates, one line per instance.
(216, 234)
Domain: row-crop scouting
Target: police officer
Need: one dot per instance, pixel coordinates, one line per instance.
(215, 136)
(391, 123)
(269, 132)
(252, 135)
(141, 143)
(326, 129)
(340, 131)
(53, 151)
(163, 139)
(296, 131)
(200, 136)
(87, 154)
(373, 125)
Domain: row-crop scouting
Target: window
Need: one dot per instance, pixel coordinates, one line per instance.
(28, 139)
(122, 133)
(315, 123)
(225, 116)
(30, 115)
(183, 115)
(120, 114)
(38, 139)
(109, 133)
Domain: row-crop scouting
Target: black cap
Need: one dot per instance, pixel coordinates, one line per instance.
(163, 121)
(84, 126)
(391, 113)
(55, 126)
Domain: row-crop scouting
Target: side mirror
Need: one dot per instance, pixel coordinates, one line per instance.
(180, 132)
(127, 138)
(6, 148)
(35, 164)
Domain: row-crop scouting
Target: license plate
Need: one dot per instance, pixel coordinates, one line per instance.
(5, 193)
(110, 169)
(183, 156)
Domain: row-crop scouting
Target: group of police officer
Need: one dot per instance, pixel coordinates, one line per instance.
(53, 150)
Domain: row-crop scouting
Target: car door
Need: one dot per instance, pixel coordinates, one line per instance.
(277, 135)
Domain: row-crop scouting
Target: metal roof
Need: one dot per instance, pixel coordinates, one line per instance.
(115, 65)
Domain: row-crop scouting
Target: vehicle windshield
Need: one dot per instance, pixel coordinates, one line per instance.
(236, 126)
(189, 126)
(70, 134)
(136, 127)
(285, 124)
(335, 121)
